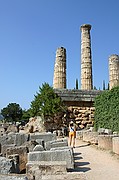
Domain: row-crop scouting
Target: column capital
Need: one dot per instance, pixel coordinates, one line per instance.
(85, 26)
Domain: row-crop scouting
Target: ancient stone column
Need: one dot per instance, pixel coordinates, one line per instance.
(86, 59)
(113, 71)
(59, 80)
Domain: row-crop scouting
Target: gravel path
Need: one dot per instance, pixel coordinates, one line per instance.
(96, 164)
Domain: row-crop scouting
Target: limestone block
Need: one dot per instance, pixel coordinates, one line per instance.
(91, 137)
(105, 142)
(68, 176)
(38, 148)
(4, 148)
(45, 136)
(13, 177)
(101, 130)
(36, 169)
(62, 148)
(56, 143)
(30, 145)
(11, 128)
(21, 138)
(59, 155)
(7, 139)
(15, 158)
(22, 152)
(2, 131)
(115, 143)
(6, 166)
(108, 131)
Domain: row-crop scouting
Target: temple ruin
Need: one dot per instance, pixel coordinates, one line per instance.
(59, 79)
(80, 102)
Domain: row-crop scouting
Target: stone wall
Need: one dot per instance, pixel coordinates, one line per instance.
(80, 105)
(82, 116)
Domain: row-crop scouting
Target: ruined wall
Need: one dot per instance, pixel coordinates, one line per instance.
(83, 116)
(80, 105)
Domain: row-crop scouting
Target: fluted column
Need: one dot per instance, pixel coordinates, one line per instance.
(59, 80)
(113, 71)
(86, 58)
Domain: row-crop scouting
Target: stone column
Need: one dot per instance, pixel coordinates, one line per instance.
(86, 59)
(113, 71)
(59, 80)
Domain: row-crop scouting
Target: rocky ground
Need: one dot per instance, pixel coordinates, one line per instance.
(96, 164)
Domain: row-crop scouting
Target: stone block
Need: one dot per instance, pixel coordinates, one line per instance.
(115, 143)
(13, 177)
(15, 158)
(4, 148)
(6, 166)
(38, 148)
(63, 148)
(45, 136)
(57, 155)
(56, 143)
(37, 169)
(30, 145)
(91, 137)
(2, 131)
(101, 130)
(7, 139)
(105, 141)
(20, 138)
(68, 176)
(22, 152)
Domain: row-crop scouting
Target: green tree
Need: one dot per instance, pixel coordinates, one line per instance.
(13, 112)
(26, 114)
(49, 105)
(94, 88)
(103, 84)
(76, 83)
(108, 86)
(107, 109)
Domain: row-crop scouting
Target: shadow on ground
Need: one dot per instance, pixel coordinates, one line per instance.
(80, 166)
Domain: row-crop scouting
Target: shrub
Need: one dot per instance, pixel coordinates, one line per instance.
(107, 110)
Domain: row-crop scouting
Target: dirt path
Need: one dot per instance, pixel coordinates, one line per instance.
(95, 163)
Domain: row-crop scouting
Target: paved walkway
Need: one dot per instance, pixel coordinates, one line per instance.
(96, 164)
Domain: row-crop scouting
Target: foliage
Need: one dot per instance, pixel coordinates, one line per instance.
(26, 114)
(103, 84)
(107, 110)
(94, 88)
(48, 104)
(13, 112)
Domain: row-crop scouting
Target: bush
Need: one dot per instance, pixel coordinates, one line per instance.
(107, 110)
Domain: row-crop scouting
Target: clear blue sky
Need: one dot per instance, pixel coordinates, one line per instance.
(32, 30)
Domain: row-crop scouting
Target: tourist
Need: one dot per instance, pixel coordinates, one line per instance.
(72, 134)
